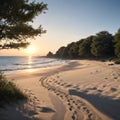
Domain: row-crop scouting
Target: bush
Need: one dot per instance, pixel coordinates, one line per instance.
(8, 91)
(117, 61)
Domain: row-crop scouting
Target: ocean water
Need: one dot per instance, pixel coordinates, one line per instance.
(15, 63)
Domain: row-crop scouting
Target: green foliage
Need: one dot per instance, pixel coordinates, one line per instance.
(117, 43)
(73, 50)
(117, 61)
(60, 52)
(8, 91)
(117, 49)
(102, 45)
(117, 36)
(77, 49)
(15, 18)
(85, 47)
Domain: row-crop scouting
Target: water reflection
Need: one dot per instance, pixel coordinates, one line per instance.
(30, 64)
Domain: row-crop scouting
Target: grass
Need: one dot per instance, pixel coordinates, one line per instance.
(8, 91)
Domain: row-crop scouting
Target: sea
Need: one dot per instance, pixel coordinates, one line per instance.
(17, 63)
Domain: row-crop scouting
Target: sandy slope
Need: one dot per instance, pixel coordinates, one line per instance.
(77, 90)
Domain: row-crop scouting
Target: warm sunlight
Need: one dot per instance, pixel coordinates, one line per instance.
(30, 50)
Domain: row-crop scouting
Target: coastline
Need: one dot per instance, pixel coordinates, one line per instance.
(18, 64)
(78, 89)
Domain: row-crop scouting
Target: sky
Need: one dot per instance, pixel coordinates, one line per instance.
(71, 20)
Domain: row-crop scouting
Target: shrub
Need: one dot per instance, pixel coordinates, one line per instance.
(117, 61)
(8, 91)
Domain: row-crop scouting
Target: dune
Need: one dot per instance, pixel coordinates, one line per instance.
(76, 90)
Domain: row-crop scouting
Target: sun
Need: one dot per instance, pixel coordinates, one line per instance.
(30, 50)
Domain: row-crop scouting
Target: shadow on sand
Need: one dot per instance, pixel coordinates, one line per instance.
(105, 105)
(46, 110)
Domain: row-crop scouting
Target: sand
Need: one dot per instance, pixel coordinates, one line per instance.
(76, 90)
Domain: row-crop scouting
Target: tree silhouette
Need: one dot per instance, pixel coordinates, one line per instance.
(15, 16)
(85, 47)
(60, 52)
(117, 43)
(102, 45)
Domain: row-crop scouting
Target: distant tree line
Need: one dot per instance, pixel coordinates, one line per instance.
(101, 45)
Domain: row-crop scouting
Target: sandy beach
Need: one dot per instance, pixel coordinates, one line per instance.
(75, 90)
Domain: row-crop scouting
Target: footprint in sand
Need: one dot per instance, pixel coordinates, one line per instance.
(113, 89)
(104, 86)
(94, 88)
(75, 106)
(69, 85)
(90, 116)
(58, 76)
(74, 117)
(31, 113)
(71, 108)
(46, 110)
(115, 77)
(100, 91)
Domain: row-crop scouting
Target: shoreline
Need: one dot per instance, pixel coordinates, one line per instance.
(13, 64)
(78, 89)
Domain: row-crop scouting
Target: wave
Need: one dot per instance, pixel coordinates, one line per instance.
(26, 68)
(34, 63)
(8, 64)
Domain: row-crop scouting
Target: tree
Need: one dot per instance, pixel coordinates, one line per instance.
(15, 18)
(85, 47)
(67, 52)
(102, 45)
(73, 50)
(60, 52)
(117, 43)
